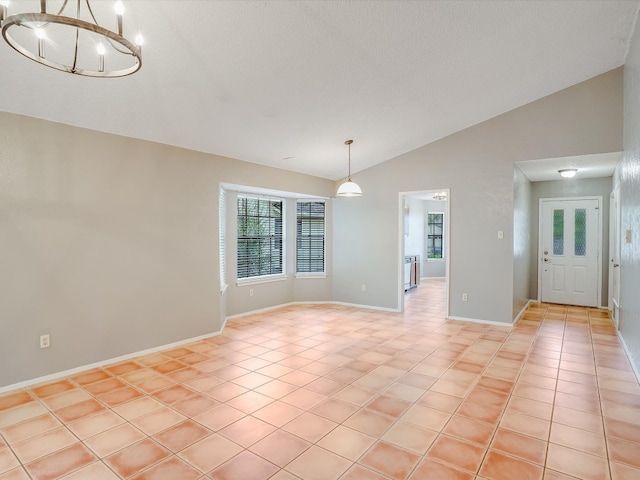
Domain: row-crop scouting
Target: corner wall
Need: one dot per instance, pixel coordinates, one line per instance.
(523, 242)
(628, 176)
(109, 244)
(477, 165)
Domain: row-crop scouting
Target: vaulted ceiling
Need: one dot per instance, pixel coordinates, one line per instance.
(285, 83)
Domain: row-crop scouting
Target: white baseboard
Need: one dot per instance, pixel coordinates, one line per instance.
(626, 350)
(524, 309)
(368, 307)
(478, 320)
(102, 363)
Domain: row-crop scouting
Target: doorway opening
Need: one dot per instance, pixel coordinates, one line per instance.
(424, 242)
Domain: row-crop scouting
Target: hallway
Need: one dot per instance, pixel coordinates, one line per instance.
(334, 392)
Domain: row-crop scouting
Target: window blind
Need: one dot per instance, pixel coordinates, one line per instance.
(310, 237)
(260, 236)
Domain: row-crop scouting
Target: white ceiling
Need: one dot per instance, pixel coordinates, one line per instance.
(285, 83)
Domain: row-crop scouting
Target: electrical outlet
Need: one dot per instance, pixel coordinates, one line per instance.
(251, 292)
(45, 341)
(464, 297)
(364, 288)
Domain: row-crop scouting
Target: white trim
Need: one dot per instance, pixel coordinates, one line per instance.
(110, 361)
(320, 302)
(524, 309)
(269, 192)
(241, 282)
(368, 307)
(259, 310)
(310, 275)
(479, 320)
(129, 356)
(636, 372)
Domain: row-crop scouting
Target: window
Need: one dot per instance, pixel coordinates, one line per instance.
(580, 236)
(310, 237)
(558, 232)
(435, 227)
(260, 236)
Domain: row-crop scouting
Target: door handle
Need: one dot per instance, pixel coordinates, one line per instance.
(616, 265)
(545, 260)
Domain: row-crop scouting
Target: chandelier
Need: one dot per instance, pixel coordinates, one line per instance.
(72, 42)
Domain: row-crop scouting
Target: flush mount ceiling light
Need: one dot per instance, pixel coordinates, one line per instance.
(349, 188)
(440, 196)
(74, 43)
(568, 172)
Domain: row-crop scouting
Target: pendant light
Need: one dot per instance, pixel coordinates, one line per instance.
(349, 188)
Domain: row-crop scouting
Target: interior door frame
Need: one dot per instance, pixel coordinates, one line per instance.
(600, 232)
(446, 245)
(614, 241)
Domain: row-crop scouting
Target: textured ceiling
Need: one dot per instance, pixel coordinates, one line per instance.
(284, 83)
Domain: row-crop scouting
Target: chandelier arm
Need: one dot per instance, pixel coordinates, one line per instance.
(64, 5)
(116, 48)
(75, 50)
(90, 11)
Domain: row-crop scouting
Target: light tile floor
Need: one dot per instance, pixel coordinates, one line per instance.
(328, 392)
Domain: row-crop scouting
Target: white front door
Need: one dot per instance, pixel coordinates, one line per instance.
(569, 251)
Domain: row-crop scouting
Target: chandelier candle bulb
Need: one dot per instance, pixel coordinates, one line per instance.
(101, 51)
(40, 35)
(119, 8)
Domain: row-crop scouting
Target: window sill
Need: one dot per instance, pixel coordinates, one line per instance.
(241, 282)
(435, 260)
(311, 275)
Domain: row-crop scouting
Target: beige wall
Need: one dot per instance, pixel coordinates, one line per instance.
(477, 164)
(110, 244)
(628, 178)
(523, 242)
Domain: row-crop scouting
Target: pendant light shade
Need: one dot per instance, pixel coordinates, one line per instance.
(349, 188)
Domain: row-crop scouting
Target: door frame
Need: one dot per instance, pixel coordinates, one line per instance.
(446, 245)
(614, 242)
(600, 232)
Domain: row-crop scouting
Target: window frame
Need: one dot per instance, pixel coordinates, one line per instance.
(268, 277)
